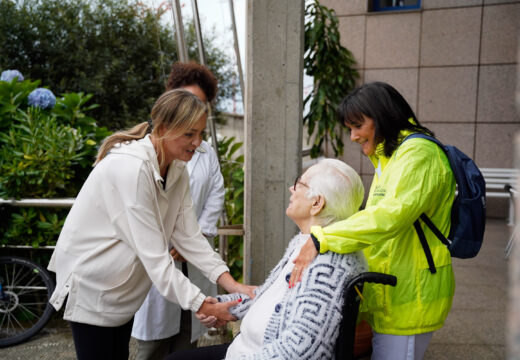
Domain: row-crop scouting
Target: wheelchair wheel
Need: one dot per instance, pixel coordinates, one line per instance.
(25, 290)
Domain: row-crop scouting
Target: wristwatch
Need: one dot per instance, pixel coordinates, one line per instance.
(316, 242)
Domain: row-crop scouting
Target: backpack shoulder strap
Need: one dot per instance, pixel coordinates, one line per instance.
(434, 229)
(425, 246)
(423, 136)
(424, 217)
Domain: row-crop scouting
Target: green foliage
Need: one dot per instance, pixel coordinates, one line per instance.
(35, 227)
(13, 95)
(117, 50)
(232, 168)
(37, 155)
(330, 64)
(43, 154)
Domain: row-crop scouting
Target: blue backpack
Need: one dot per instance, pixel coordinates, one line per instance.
(468, 213)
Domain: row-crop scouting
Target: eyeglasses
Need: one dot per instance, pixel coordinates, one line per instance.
(297, 181)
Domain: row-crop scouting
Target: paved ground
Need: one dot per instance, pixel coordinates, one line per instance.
(475, 328)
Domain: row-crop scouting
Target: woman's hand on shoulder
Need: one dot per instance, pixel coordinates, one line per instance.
(307, 254)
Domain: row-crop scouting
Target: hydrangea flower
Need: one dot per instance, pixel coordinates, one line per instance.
(9, 75)
(42, 98)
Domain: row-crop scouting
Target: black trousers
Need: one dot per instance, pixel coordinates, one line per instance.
(99, 343)
(215, 352)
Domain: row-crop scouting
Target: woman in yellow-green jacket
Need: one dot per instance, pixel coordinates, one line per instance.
(410, 179)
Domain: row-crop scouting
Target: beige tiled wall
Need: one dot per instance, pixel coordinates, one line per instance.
(347, 7)
(447, 94)
(494, 145)
(455, 133)
(450, 36)
(496, 98)
(499, 38)
(392, 41)
(405, 80)
(435, 4)
(354, 26)
(489, 2)
(455, 61)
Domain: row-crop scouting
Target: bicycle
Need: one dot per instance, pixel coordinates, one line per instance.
(25, 290)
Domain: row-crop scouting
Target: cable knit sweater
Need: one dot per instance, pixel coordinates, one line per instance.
(305, 324)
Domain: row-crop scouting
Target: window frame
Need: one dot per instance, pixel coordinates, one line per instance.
(376, 7)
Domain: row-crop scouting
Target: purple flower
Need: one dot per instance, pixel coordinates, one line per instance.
(9, 75)
(42, 98)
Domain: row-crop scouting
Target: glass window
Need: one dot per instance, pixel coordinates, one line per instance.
(395, 5)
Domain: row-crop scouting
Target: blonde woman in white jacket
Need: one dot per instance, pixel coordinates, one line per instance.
(160, 326)
(116, 239)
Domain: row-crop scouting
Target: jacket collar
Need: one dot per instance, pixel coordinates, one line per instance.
(144, 150)
(379, 159)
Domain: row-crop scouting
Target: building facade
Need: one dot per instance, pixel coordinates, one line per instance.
(456, 63)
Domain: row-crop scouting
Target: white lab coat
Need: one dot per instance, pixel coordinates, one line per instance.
(158, 318)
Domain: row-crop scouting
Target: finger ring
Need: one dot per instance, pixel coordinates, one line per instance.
(296, 268)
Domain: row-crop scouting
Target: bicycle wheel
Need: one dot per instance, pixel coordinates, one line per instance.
(24, 299)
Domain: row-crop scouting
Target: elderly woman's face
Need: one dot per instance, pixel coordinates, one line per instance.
(299, 205)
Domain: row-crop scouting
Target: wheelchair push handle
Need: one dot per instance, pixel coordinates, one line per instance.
(374, 277)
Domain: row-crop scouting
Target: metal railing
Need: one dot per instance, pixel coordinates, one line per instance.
(222, 231)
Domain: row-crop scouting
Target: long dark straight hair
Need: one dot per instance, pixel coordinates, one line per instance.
(386, 106)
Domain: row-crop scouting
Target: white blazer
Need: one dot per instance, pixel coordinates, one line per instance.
(158, 318)
(116, 239)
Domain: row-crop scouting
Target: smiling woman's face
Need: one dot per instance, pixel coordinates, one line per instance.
(183, 147)
(364, 133)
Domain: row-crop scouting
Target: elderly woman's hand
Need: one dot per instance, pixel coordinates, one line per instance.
(248, 290)
(307, 253)
(232, 286)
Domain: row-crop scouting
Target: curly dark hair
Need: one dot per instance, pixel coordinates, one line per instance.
(185, 74)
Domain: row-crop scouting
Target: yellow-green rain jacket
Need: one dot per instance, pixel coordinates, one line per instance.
(417, 178)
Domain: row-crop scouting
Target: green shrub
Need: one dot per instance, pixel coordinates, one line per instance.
(232, 168)
(13, 96)
(332, 68)
(44, 153)
(117, 50)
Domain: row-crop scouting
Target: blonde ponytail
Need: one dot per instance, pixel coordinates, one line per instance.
(137, 132)
(174, 112)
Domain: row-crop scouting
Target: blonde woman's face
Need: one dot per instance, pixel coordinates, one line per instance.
(183, 147)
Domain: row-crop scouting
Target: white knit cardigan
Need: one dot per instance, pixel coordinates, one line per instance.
(305, 325)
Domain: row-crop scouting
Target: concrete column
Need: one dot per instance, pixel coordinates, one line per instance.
(513, 319)
(513, 323)
(273, 129)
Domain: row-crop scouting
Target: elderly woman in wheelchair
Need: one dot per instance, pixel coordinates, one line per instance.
(300, 321)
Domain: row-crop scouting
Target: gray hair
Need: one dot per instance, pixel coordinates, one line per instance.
(341, 187)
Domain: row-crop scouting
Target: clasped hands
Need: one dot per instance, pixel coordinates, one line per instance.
(213, 313)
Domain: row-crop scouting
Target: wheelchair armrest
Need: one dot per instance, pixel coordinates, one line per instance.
(345, 343)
